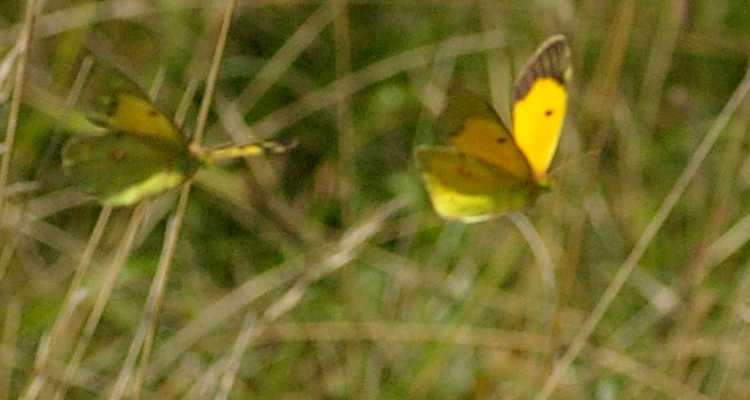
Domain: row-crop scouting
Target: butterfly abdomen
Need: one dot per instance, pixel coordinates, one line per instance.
(247, 150)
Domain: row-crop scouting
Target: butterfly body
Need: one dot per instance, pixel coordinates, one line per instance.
(490, 169)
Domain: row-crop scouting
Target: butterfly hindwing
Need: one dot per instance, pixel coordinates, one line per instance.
(121, 168)
(466, 189)
(539, 104)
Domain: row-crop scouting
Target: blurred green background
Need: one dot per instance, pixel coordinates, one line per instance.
(323, 273)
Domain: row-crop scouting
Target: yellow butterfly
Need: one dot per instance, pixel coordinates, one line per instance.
(490, 169)
(137, 152)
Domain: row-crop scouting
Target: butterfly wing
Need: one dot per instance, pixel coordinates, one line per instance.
(121, 169)
(539, 103)
(466, 189)
(476, 130)
(117, 103)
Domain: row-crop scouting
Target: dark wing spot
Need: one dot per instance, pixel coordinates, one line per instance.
(501, 140)
(152, 113)
(548, 113)
(117, 155)
(463, 171)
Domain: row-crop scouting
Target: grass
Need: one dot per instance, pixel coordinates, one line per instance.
(324, 273)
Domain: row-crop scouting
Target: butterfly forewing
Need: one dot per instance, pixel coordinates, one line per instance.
(117, 103)
(539, 104)
(477, 131)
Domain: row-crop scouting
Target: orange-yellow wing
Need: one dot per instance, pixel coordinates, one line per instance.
(539, 104)
(478, 132)
(116, 103)
(466, 189)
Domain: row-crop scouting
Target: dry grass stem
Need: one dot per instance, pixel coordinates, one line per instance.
(347, 248)
(143, 341)
(648, 235)
(24, 42)
(105, 292)
(8, 346)
(451, 48)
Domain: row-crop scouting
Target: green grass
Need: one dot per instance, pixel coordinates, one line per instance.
(324, 273)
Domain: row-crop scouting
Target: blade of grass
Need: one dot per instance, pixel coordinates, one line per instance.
(728, 243)
(6, 67)
(344, 122)
(660, 59)
(8, 346)
(59, 21)
(648, 235)
(484, 286)
(448, 49)
(459, 335)
(664, 383)
(736, 332)
(143, 343)
(226, 307)
(235, 356)
(71, 300)
(105, 292)
(47, 343)
(490, 19)
(278, 210)
(277, 65)
(343, 253)
(346, 188)
(72, 98)
(15, 105)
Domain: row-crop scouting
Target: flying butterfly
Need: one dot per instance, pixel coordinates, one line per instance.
(137, 152)
(489, 169)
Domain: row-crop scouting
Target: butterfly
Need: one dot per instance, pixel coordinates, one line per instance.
(136, 151)
(490, 169)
